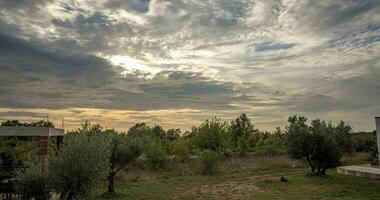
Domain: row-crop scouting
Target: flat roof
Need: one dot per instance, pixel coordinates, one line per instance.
(30, 131)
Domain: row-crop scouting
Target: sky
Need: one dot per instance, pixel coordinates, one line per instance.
(179, 62)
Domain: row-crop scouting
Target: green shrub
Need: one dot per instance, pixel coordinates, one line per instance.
(208, 161)
(180, 149)
(32, 180)
(319, 144)
(212, 134)
(80, 165)
(156, 155)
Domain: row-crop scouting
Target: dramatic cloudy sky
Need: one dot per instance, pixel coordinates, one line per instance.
(178, 62)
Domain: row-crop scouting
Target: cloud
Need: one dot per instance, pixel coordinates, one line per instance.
(267, 58)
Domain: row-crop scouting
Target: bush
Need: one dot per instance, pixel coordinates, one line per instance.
(156, 155)
(32, 181)
(270, 146)
(207, 161)
(180, 149)
(81, 165)
(212, 134)
(317, 144)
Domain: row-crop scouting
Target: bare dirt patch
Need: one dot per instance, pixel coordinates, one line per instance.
(228, 189)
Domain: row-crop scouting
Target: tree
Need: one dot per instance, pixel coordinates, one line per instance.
(32, 124)
(241, 131)
(158, 131)
(81, 164)
(317, 144)
(156, 154)
(173, 134)
(32, 180)
(344, 136)
(140, 130)
(242, 127)
(124, 150)
(211, 134)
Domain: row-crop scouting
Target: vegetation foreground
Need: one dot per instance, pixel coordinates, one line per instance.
(215, 160)
(257, 177)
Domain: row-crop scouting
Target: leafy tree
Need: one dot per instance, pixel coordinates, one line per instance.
(173, 134)
(81, 164)
(88, 128)
(318, 144)
(212, 134)
(140, 130)
(32, 180)
(241, 131)
(344, 136)
(156, 154)
(31, 124)
(180, 148)
(158, 131)
(124, 150)
(242, 127)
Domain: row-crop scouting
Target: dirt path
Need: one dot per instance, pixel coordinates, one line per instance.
(226, 189)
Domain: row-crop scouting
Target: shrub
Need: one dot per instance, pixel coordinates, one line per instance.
(32, 181)
(180, 149)
(80, 165)
(212, 134)
(156, 155)
(317, 144)
(207, 161)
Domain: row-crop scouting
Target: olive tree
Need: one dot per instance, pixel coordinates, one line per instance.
(124, 150)
(32, 180)
(319, 144)
(80, 165)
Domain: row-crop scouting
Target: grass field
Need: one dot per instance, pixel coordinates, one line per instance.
(247, 178)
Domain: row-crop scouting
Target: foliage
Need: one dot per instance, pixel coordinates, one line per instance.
(180, 148)
(271, 145)
(207, 161)
(40, 123)
(32, 181)
(364, 141)
(15, 150)
(124, 150)
(140, 130)
(81, 164)
(212, 135)
(241, 131)
(173, 134)
(344, 136)
(158, 131)
(320, 144)
(156, 154)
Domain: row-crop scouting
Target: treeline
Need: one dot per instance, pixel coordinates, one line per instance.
(91, 155)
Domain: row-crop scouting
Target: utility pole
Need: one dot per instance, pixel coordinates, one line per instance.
(378, 136)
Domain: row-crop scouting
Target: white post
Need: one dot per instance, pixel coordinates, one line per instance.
(378, 135)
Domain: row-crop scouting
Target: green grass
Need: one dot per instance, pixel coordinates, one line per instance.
(246, 178)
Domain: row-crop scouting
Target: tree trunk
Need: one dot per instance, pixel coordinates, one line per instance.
(310, 165)
(111, 182)
(324, 170)
(70, 195)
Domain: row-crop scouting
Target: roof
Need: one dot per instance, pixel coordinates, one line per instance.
(30, 131)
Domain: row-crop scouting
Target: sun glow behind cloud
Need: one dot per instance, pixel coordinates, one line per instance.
(131, 65)
(267, 58)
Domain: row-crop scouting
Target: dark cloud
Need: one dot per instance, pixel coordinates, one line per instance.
(134, 5)
(273, 58)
